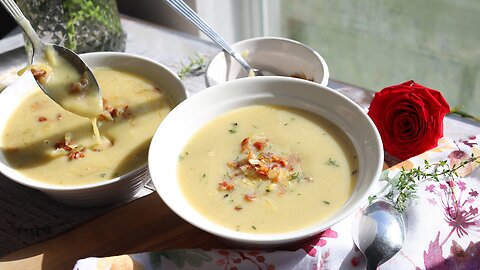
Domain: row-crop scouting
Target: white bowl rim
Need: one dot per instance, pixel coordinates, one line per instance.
(326, 71)
(274, 238)
(14, 175)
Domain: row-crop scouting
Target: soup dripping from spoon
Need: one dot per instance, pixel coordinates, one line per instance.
(59, 72)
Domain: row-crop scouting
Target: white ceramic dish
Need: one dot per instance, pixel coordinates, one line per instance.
(279, 56)
(178, 127)
(110, 191)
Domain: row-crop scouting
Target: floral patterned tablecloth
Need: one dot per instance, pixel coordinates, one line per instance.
(443, 231)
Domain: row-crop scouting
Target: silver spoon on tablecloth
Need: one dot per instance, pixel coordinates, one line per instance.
(379, 232)
(191, 16)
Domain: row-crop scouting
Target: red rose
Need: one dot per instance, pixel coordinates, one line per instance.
(409, 118)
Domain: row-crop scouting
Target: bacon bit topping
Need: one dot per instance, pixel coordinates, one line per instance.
(59, 117)
(156, 89)
(280, 161)
(38, 74)
(42, 119)
(72, 151)
(249, 197)
(76, 154)
(257, 169)
(238, 208)
(226, 186)
(244, 143)
(79, 87)
(64, 146)
(232, 164)
(112, 112)
(259, 145)
(126, 112)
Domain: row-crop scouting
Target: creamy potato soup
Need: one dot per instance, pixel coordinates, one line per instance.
(268, 169)
(74, 91)
(52, 145)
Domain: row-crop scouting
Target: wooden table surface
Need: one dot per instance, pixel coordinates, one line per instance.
(136, 227)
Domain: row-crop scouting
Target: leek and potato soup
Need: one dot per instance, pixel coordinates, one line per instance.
(267, 169)
(49, 144)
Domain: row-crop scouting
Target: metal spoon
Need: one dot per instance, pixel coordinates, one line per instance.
(193, 17)
(71, 58)
(379, 232)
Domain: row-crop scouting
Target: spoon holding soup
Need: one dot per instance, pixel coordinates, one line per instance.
(59, 72)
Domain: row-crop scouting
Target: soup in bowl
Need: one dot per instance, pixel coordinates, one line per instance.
(265, 161)
(48, 148)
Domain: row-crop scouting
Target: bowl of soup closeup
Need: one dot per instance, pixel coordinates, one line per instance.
(50, 149)
(265, 161)
(274, 55)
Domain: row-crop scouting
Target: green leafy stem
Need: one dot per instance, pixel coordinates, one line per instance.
(403, 187)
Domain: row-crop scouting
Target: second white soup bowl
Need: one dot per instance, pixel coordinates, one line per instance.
(192, 114)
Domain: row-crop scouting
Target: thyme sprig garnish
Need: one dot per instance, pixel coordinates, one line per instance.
(195, 67)
(403, 187)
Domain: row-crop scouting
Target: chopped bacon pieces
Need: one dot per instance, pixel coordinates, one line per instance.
(280, 161)
(38, 74)
(42, 119)
(232, 164)
(112, 112)
(79, 87)
(249, 197)
(64, 146)
(126, 113)
(76, 154)
(226, 186)
(259, 145)
(257, 171)
(72, 151)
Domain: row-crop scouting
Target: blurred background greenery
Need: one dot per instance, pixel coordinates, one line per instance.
(378, 43)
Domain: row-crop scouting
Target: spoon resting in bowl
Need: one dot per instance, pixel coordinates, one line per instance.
(379, 232)
(59, 72)
(184, 10)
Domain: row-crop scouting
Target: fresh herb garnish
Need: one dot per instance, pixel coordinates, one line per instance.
(326, 202)
(103, 175)
(403, 187)
(294, 175)
(332, 162)
(182, 157)
(253, 227)
(225, 196)
(234, 128)
(204, 175)
(195, 67)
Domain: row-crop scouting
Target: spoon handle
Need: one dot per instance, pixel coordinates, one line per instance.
(372, 265)
(190, 15)
(18, 16)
